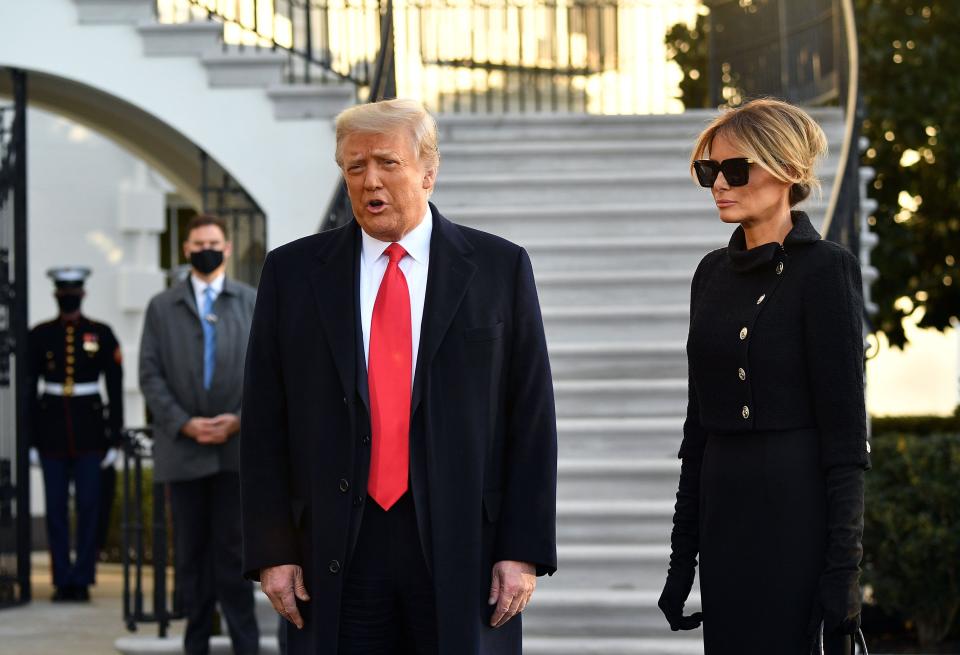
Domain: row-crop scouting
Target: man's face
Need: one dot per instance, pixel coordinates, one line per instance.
(388, 185)
(207, 237)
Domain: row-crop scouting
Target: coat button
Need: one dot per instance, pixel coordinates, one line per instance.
(345, 400)
(761, 298)
(344, 485)
(358, 501)
(741, 374)
(868, 447)
(779, 268)
(745, 412)
(365, 440)
(743, 333)
(334, 566)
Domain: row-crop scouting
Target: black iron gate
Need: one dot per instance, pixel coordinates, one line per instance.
(14, 460)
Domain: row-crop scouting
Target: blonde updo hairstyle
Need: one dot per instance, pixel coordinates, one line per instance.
(780, 138)
(389, 117)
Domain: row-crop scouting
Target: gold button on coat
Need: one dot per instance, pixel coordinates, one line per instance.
(746, 412)
(742, 374)
(779, 268)
(761, 298)
(743, 333)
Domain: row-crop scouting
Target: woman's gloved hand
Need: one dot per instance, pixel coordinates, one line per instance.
(673, 598)
(684, 547)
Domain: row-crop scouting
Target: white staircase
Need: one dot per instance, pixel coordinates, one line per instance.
(615, 228)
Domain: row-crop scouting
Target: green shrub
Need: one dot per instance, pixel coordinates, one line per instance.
(912, 523)
(112, 549)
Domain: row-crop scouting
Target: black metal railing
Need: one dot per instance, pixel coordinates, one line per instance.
(137, 559)
(383, 85)
(483, 56)
(15, 539)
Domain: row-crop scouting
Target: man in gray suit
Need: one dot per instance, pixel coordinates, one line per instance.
(191, 374)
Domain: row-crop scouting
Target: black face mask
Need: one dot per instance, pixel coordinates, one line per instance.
(68, 303)
(206, 261)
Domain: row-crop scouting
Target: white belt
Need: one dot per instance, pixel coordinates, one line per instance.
(79, 389)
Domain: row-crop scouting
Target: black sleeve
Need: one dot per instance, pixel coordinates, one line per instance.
(527, 530)
(35, 366)
(269, 536)
(112, 364)
(685, 536)
(833, 311)
(834, 347)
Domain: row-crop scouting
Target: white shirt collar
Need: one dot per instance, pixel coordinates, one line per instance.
(199, 286)
(416, 242)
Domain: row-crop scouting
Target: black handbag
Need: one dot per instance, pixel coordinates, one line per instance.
(841, 644)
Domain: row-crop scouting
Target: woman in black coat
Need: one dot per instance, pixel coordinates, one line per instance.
(774, 444)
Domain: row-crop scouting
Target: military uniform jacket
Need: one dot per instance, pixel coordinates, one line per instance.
(67, 354)
(171, 376)
(776, 343)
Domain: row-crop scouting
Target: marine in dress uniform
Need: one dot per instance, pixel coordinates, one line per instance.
(74, 433)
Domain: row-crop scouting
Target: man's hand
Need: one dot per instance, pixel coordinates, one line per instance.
(511, 587)
(283, 585)
(212, 431)
(228, 423)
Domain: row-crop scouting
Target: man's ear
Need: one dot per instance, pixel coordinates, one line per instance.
(227, 249)
(430, 178)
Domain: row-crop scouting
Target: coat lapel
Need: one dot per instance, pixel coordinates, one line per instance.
(334, 288)
(448, 277)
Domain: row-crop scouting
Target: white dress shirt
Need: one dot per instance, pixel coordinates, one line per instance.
(373, 264)
(199, 287)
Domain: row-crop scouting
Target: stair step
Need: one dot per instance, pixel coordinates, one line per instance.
(245, 68)
(630, 439)
(602, 360)
(597, 613)
(613, 522)
(611, 566)
(534, 156)
(618, 479)
(310, 101)
(196, 38)
(621, 220)
(673, 645)
(616, 323)
(620, 397)
(456, 128)
(610, 287)
(645, 253)
(219, 645)
(574, 188)
(114, 12)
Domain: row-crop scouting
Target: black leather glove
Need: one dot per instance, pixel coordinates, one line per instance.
(684, 546)
(838, 591)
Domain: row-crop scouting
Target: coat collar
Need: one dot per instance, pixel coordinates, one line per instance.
(334, 282)
(743, 259)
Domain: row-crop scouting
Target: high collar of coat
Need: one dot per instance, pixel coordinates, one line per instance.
(743, 259)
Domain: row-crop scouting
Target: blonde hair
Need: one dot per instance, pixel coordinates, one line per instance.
(779, 137)
(388, 117)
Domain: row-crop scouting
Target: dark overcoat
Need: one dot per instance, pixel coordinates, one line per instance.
(483, 429)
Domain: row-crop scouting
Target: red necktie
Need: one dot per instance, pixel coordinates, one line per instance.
(389, 372)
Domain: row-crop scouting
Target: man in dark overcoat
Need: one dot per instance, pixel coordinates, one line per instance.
(398, 448)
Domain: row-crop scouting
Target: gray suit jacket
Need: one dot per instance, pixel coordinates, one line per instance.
(171, 376)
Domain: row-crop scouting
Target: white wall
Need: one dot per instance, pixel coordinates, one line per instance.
(91, 203)
(286, 166)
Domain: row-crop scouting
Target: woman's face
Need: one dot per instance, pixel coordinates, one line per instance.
(762, 198)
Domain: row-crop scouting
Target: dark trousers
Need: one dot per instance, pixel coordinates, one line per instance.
(206, 523)
(388, 605)
(84, 471)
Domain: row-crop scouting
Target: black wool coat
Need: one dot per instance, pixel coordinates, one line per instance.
(794, 313)
(483, 443)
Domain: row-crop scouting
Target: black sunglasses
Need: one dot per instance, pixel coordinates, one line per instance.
(736, 171)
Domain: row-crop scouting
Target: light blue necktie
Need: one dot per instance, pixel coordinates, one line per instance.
(209, 337)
